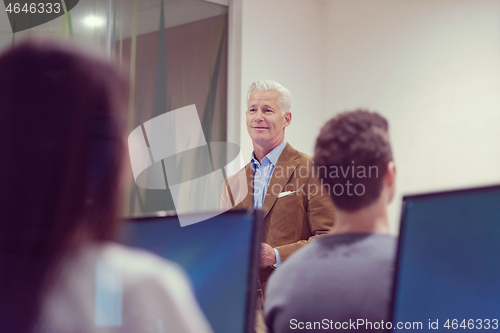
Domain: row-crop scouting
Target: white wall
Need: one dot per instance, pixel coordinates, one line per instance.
(432, 68)
(282, 40)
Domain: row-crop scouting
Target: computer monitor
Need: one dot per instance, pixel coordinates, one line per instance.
(448, 266)
(221, 255)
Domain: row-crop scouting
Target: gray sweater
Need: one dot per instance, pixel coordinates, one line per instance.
(337, 281)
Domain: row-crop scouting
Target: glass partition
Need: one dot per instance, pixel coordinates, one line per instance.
(175, 52)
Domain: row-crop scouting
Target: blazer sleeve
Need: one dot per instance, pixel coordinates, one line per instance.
(225, 203)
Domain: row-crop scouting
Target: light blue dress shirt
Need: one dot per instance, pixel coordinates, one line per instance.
(263, 172)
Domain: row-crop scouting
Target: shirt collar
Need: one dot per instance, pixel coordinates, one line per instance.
(272, 156)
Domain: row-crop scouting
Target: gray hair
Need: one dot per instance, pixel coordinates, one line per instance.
(285, 97)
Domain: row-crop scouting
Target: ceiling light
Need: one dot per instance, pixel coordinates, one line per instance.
(93, 21)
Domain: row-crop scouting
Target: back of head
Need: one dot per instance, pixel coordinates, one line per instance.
(285, 99)
(351, 156)
(61, 152)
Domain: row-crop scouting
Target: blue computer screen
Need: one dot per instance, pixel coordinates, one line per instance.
(216, 255)
(449, 260)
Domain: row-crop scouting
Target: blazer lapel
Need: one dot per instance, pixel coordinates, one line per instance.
(282, 172)
(248, 201)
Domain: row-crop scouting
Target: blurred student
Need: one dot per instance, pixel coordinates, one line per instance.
(62, 149)
(346, 275)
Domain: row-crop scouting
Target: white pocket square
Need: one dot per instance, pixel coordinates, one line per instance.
(282, 194)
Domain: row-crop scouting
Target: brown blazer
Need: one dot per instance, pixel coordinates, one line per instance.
(290, 221)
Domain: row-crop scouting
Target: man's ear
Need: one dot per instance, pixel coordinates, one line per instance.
(390, 180)
(288, 119)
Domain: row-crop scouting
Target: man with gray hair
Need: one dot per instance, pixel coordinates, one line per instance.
(280, 181)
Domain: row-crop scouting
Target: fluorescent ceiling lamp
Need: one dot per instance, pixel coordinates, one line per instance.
(93, 21)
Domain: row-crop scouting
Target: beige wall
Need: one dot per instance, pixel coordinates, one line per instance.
(433, 69)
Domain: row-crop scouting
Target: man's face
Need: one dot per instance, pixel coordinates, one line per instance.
(265, 124)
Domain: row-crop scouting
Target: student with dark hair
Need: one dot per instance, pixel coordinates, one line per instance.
(346, 276)
(62, 151)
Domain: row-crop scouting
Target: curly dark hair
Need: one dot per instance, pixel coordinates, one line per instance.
(351, 156)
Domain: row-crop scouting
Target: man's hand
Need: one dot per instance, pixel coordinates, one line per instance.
(267, 255)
